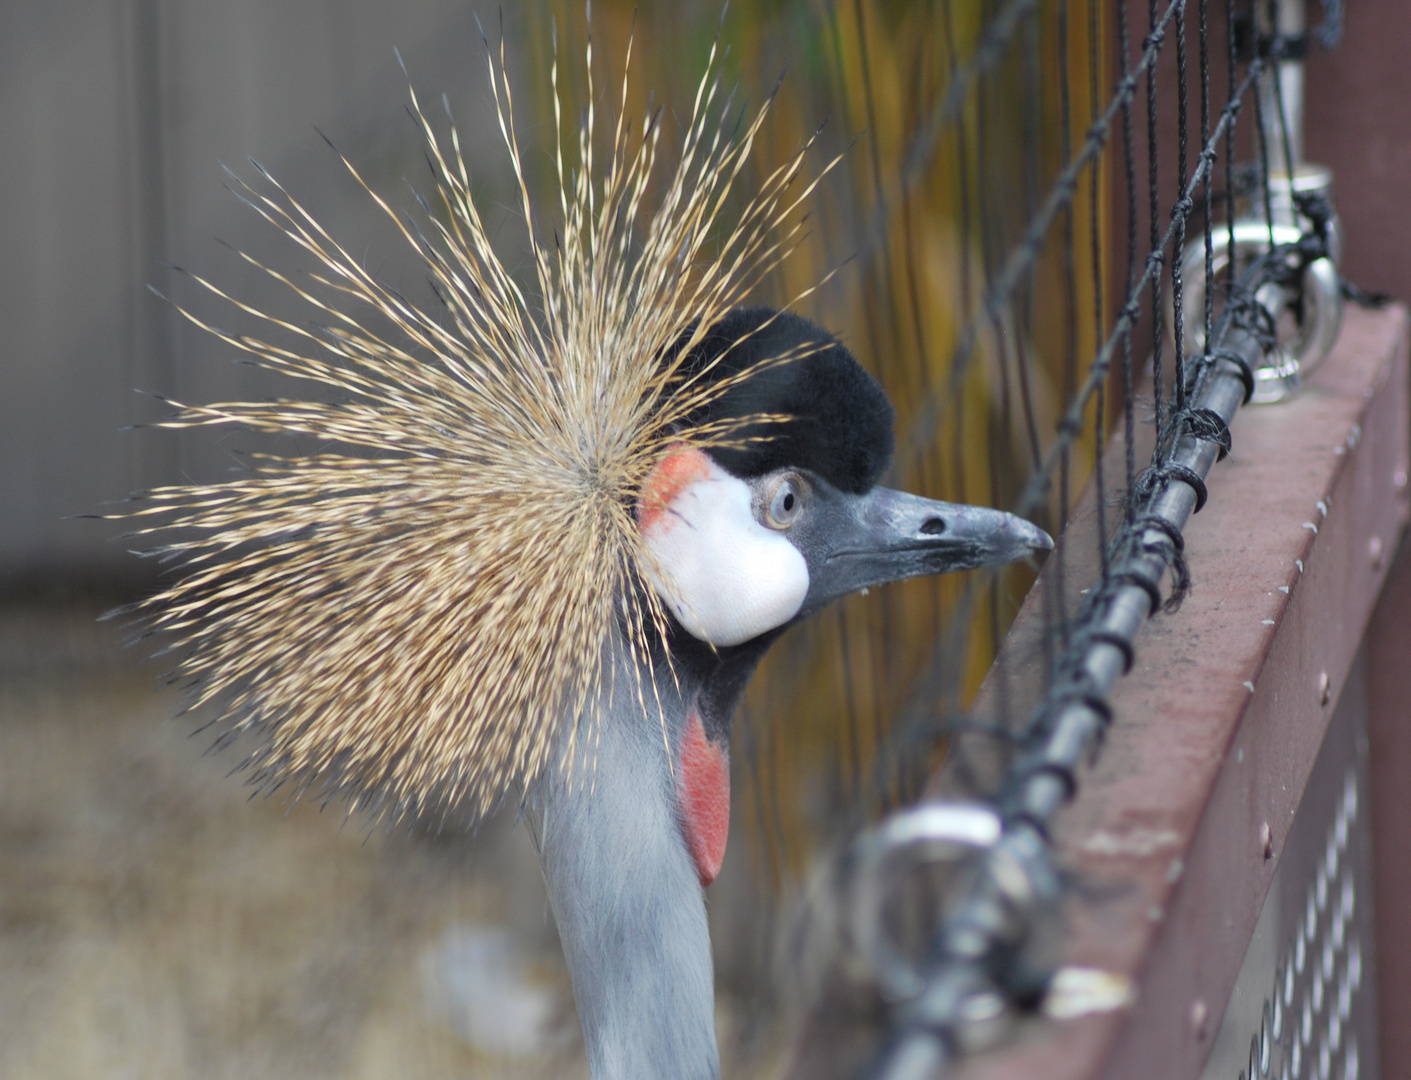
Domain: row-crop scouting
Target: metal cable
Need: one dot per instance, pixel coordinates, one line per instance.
(975, 944)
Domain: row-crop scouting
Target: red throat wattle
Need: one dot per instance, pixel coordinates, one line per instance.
(703, 792)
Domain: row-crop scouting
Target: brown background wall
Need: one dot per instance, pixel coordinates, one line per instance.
(1359, 123)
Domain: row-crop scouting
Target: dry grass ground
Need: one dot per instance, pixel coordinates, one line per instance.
(157, 923)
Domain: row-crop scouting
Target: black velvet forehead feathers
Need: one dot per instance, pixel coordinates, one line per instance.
(841, 420)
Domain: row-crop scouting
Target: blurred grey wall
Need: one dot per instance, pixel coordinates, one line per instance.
(115, 119)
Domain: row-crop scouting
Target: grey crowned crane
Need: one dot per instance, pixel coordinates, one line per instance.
(746, 542)
(553, 529)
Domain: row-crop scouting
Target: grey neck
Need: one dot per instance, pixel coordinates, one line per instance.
(627, 897)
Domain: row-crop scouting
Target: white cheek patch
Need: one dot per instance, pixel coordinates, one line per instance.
(725, 576)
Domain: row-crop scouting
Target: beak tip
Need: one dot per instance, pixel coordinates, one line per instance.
(1028, 538)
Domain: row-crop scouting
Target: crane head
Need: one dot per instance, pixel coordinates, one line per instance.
(750, 536)
(745, 538)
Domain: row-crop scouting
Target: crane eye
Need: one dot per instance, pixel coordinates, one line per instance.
(785, 502)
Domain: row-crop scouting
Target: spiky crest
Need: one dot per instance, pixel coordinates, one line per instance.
(428, 626)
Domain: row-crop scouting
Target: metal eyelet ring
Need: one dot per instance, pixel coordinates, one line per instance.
(929, 834)
(1319, 306)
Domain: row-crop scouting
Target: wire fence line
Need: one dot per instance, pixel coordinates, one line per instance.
(1130, 312)
(1000, 292)
(999, 298)
(974, 970)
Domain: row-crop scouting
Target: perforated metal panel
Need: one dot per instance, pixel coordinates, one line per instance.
(1304, 1006)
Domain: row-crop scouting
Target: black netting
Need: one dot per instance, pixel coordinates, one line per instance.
(1205, 357)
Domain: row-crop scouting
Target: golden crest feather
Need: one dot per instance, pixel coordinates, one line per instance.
(421, 619)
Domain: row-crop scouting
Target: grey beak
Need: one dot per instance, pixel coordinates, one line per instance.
(888, 535)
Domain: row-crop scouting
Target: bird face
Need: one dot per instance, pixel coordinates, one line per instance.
(742, 540)
(734, 558)
(721, 557)
(737, 559)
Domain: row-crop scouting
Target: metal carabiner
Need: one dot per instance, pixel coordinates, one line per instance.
(1308, 317)
(930, 834)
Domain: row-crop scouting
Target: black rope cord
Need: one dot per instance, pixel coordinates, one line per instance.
(1129, 421)
(1120, 336)
(1151, 543)
(1210, 425)
(1231, 68)
(1179, 213)
(1157, 249)
(1037, 488)
(1208, 314)
(1245, 372)
(1000, 293)
(1070, 312)
(1282, 264)
(1314, 206)
(1095, 255)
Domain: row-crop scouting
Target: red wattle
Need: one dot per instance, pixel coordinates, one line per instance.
(704, 795)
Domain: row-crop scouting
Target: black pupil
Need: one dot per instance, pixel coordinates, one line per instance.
(788, 501)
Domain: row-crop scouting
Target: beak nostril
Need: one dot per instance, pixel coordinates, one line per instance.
(933, 526)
